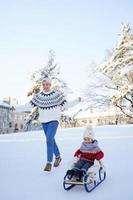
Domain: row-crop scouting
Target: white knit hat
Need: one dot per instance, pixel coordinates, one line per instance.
(88, 132)
(46, 79)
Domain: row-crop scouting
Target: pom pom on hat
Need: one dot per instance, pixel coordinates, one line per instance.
(88, 132)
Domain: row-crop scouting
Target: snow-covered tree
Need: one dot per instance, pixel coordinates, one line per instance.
(119, 69)
(52, 71)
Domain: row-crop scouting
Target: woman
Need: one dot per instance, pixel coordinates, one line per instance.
(50, 104)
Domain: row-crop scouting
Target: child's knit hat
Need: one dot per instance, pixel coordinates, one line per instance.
(88, 132)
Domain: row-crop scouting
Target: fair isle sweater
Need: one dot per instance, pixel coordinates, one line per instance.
(50, 105)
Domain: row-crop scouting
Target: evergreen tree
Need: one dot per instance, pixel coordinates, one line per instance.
(52, 71)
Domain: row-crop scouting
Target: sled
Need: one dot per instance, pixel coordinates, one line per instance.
(88, 181)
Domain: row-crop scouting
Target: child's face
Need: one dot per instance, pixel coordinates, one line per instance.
(87, 140)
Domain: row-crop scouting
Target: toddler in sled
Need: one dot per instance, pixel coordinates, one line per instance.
(88, 156)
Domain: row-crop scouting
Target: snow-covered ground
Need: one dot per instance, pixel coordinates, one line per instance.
(23, 156)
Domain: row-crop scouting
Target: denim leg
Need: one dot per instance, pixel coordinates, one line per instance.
(56, 149)
(53, 126)
(79, 164)
(45, 125)
(50, 131)
(86, 166)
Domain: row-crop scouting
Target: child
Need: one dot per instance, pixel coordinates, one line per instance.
(87, 154)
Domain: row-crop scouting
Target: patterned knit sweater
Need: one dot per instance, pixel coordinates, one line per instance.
(89, 152)
(50, 105)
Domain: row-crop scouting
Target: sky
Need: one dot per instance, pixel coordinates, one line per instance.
(79, 31)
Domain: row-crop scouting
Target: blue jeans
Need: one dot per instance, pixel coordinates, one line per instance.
(50, 131)
(83, 165)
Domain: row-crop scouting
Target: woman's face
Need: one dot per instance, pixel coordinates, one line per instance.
(46, 86)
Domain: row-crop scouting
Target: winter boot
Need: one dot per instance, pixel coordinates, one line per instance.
(57, 161)
(48, 167)
(70, 173)
(79, 175)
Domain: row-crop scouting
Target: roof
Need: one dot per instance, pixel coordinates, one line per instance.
(5, 105)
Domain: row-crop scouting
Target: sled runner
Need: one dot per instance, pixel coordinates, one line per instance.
(95, 176)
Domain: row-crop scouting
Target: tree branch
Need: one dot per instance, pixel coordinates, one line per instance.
(129, 100)
(123, 111)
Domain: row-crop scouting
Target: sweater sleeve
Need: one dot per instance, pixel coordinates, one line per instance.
(26, 107)
(77, 153)
(99, 155)
(72, 103)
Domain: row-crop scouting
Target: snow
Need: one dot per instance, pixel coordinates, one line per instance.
(24, 108)
(5, 105)
(23, 156)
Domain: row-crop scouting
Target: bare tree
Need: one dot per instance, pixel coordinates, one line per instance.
(96, 92)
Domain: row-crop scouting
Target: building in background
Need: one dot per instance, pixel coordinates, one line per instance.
(6, 112)
(82, 114)
(10, 119)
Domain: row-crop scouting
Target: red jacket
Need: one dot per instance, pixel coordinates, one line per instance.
(89, 155)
